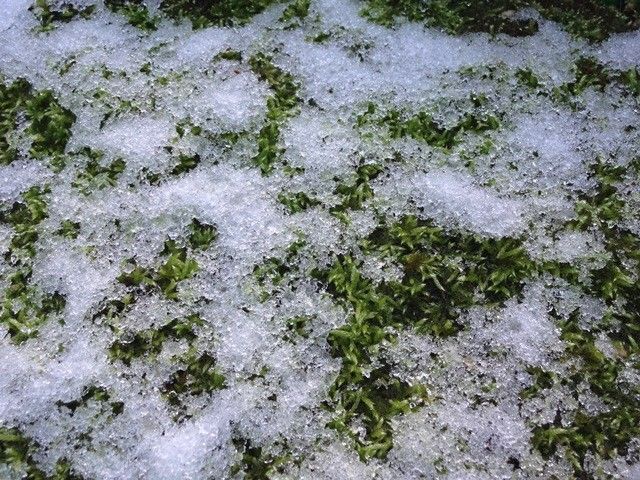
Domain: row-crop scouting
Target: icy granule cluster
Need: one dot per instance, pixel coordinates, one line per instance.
(311, 246)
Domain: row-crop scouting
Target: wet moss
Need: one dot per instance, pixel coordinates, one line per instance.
(17, 452)
(445, 273)
(48, 124)
(280, 106)
(223, 13)
(136, 12)
(50, 12)
(594, 20)
(150, 342)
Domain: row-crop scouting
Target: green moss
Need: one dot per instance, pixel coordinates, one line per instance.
(176, 269)
(320, 37)
(165, 277)
(617, 281)
(631, 80)
(48, 123)
(444, 273)
(353, 195)
(297, 9)
(50, 127)
(186, 163)
(606, 434)
(24, 217)
(298, 327)
(136, 13)
(17, 451)
(256, 464)
(187, 126)
(50, 12)
(541, 380)
(594, 20)
(69, 229)
(200, 376)
(297, 202)
(110, 311)
(280, 106)
(272, 271)
(116, 106)
(25, 307)
(95, 176)
(150, 342)
(453, 16)
(526, 77)
(92, 393)
(231, 55)
(202, 235)
(589, 73)
(424, 128)
(13, 98)
(222, 13)
(374, 399)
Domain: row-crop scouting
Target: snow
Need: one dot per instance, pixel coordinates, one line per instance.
(277, 382)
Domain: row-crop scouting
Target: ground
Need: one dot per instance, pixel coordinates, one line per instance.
(341, 239)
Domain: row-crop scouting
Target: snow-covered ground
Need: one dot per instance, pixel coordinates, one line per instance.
(202, 314)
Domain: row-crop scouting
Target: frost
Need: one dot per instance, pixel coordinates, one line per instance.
(315, 247)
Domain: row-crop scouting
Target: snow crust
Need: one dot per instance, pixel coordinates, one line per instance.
(525, 187)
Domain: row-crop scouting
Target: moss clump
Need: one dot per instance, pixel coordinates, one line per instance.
(186, 163)
(231, 55)
(202, 235)
(199, 376)
(272, 271)
(298, 9)
(16, 452)
(176, 268)
(594, 20)
(605, 434)
(424, 128)
(50, 127)
(48, 124)
(353, 195)
(150, 342)
(453, 16)
(69, 229)
(444, 273)
(136, 13)
(298, 327)
(24, 306)
(525, 76)
(589, 73)
(96, 176)
(92, 393)
(617, 281)
(222, 13)
(12, 100)
(280, 106)
(50, 12)
(24, 217)
(256, 463)
(297, 202)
